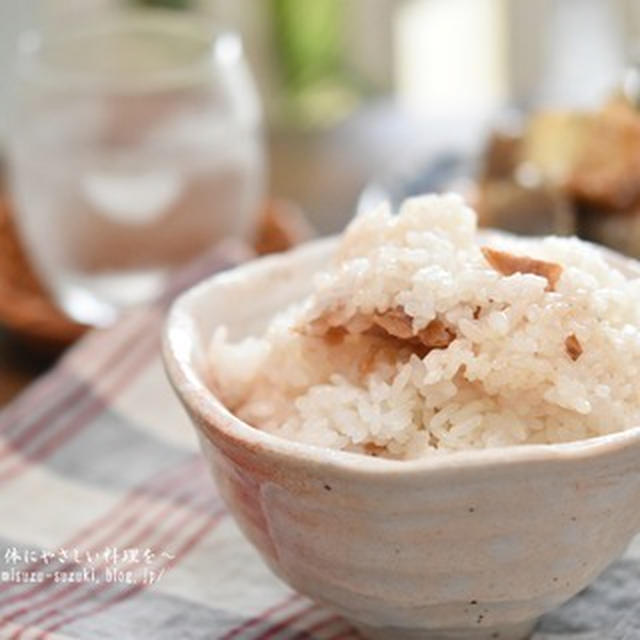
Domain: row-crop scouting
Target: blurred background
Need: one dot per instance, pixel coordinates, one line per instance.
(351, 85)
(355, 100)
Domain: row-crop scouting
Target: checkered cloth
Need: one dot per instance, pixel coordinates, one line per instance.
(111, 528)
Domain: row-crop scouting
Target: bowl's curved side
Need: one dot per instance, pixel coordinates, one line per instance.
(445, 549)
(466, 542)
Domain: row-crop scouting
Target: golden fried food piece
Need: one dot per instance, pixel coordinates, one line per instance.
(606, 174)
(554, 142)
(537, 210)
(395, 324)
(573, 347)
(502, 155)
(436, 335)
(507, 264)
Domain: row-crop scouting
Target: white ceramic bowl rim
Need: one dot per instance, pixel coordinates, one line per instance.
(179, 340)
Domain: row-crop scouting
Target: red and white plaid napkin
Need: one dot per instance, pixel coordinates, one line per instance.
(111, 528)
(101, 482)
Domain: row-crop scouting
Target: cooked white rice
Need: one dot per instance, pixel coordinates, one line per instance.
(506, 378)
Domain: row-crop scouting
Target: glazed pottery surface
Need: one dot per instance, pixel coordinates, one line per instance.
(475, 544)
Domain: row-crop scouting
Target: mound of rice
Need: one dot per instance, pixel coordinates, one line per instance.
(418, 339)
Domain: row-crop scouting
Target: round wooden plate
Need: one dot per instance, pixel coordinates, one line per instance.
(25, 307)
(28, 311)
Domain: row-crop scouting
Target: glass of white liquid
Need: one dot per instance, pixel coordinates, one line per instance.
(135, 145)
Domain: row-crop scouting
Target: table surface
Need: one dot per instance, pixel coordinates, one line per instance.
(322, 170)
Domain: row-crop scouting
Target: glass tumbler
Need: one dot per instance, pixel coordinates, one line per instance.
(135, 145)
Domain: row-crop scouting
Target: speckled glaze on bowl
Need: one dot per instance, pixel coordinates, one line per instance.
(473, 544)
